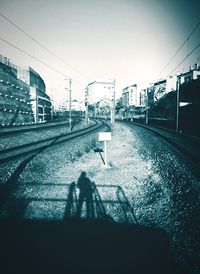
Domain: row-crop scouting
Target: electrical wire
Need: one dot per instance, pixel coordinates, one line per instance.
(194, 49)
(41, 45)
(181, 46)
(38, 60)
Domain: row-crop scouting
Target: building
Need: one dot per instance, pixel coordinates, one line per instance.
(155, 91)
(15, 99)
(192, 74)
(103, 108)
(143, 97)
(23, 98)
(40, 101)
(171, 83)
(133, 101)
(99, 90)
(130, 96)
(125, 97)
(159, 89)
(75, 106)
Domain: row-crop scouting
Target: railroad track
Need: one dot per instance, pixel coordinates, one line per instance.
(36, 127)
(38, 146)
(188, 146)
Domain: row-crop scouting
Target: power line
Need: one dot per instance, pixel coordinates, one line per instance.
(38, 60)
(55, 82)
(28, 54)
(181, 46)
(41, 45)
(194, 49)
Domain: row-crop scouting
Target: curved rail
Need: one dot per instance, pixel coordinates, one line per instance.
(18, 151)
(26, 128)
(188, 146)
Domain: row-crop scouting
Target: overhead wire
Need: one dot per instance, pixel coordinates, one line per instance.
(181, 46)
(192, 51)
(43, 46)
(38, 60)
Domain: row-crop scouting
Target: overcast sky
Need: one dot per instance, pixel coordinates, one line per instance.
(127, 40)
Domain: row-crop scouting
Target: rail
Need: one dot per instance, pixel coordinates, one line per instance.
(26, 128)
(189, 146)
(18, 151)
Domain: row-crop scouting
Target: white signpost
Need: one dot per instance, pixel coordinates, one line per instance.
(105, 136)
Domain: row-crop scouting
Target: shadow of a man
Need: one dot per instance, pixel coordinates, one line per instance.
(86, 190)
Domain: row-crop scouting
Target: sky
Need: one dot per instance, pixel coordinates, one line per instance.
(127, 40)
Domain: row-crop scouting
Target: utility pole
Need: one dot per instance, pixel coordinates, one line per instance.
(70, 104)
(177, 104)
(87, 100)
(147, 108)
(86, 105)
(36, 106)
(113, 106)
(105, 154)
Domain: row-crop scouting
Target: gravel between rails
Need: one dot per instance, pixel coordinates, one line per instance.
(23, 138)
(32, 136)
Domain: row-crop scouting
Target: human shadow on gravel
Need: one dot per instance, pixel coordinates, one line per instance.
(44, 200)
(83, 245)
(86, 191)
(95, 206)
